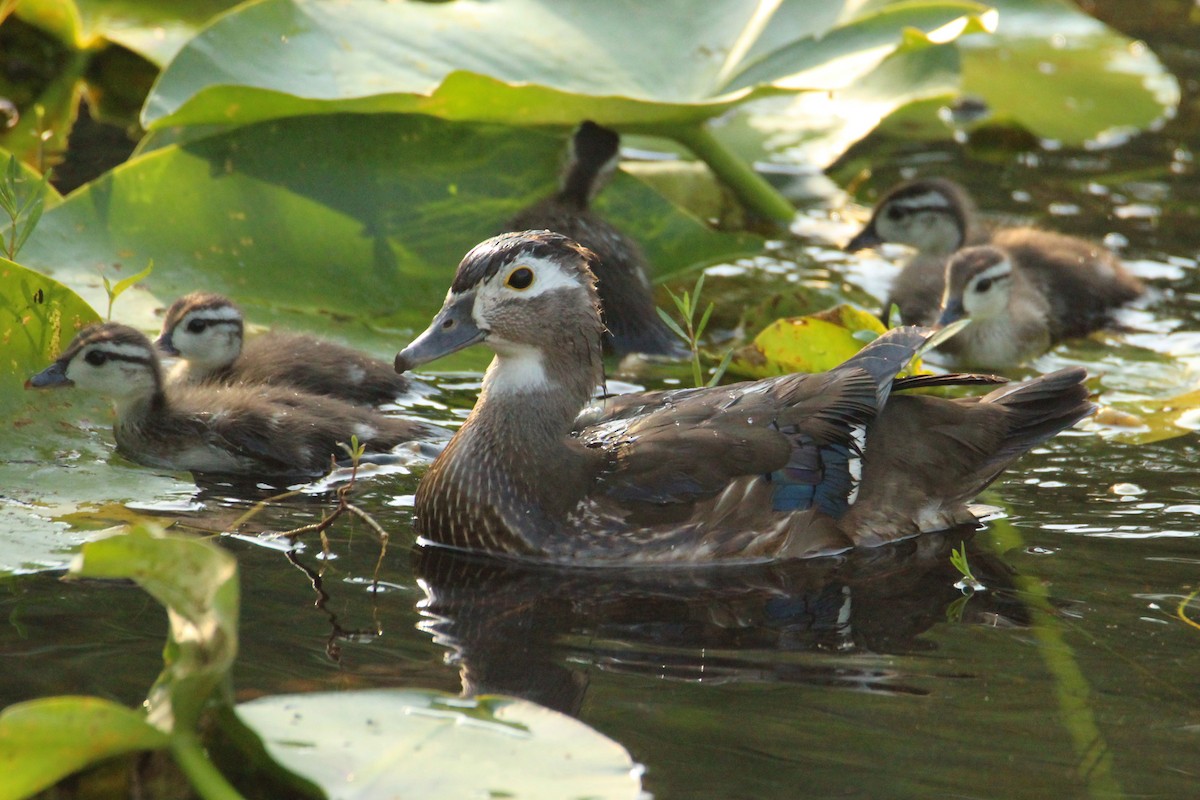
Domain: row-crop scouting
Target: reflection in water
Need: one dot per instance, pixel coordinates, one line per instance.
(534, 631)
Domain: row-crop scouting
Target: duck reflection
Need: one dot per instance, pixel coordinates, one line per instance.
(538, 631)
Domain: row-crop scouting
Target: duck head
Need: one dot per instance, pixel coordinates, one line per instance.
(204, 329)
(531, 297)
(110, 359)
(978, 285)
(930, 215)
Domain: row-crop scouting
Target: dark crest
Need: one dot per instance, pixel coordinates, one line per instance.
(493, 255)
(196, 301)
(959, 202)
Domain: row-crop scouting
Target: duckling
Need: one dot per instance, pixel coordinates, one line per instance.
(1012, 321)
(238, 430)
(1084, 281)
(626, 295)
(788, 467)
(205, 331)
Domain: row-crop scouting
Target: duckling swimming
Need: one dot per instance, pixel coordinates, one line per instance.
(787, 467)
(626, 295)
(238, 430)
(206, 331)
(1083, 281)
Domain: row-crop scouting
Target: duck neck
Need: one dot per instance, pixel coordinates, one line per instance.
(535, 394)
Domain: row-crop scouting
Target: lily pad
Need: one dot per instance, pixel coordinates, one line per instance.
(813, 343)
(197, 582)
(413, 743)
(487, 61)
(43, 741)
(365, 217)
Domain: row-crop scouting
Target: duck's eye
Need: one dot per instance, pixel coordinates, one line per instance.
(520, 279)
(196, 326)
(894, 213)
(983, 285)
(95, 357)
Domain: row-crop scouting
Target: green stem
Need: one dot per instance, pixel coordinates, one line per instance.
(208, 782)
(751, 188)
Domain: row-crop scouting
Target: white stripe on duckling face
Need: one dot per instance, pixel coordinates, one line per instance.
(217, 345)
(126, 372)
(987, 293)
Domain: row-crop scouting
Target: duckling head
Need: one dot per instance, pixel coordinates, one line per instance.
(531, 297)
(978, 285)
(930, 215)
(204, 329)
(110, 359)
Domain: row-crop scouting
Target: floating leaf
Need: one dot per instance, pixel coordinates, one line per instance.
(43, 741)
(413, 743)
(197, 582)
(365, 216)
(813, 343)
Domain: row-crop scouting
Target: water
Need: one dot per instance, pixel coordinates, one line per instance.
(1073, 674)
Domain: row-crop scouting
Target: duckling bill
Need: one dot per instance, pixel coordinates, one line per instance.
(261, 431)
(789, 467)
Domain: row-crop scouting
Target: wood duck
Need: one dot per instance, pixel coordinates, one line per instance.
(794, 466)
(626, 296)
(1012, 320)
(236, 430)
(1083, 281)
(206, 331)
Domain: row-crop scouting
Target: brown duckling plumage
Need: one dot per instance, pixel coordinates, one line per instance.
(794, 466)
(206, 331)
(1082, 281)
(626, 295)
(254, 430)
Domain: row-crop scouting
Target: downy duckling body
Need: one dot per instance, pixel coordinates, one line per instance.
(237, 430)
(626, 295)
(1083, 281)
(1011, 319)
(206, 331)
(787, 467)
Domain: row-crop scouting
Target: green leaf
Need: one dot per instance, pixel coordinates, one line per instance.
(154, 29)
(487, 62)
(1064, 75)
(44, 741)
(363, 216)
(38, 318)
(415, 743)
(814, 343)
(197, 582)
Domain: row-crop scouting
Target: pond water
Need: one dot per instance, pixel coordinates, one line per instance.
(1073, 674)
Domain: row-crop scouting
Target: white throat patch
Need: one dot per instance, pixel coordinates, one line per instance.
(516, 369)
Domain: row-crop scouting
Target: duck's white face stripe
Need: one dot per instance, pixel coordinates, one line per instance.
(1001, 269)
(993, 301)
(127, 352)
(929, 201)
(548, 276)
(213, 314)
(128, 372)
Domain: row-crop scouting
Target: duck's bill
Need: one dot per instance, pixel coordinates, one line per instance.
(952, 312)
(865, 239)
(166, 345)
(451, 330)
(52, 377)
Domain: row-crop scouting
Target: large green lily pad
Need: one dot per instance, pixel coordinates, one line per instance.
(363, 216)
(414, 743)
(624, 63)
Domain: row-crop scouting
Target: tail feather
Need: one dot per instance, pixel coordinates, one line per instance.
(926, 458)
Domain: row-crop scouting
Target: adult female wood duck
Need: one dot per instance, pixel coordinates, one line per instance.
(626, 296)
(206, 331)
(236, 430)
(1083, 281)
(795, 466)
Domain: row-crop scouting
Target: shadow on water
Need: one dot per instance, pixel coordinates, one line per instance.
(536, 632)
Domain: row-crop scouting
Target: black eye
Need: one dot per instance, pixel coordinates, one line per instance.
(520, 278)
(96, 357)
(983, 285)
(894, 213)
(196, 326)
